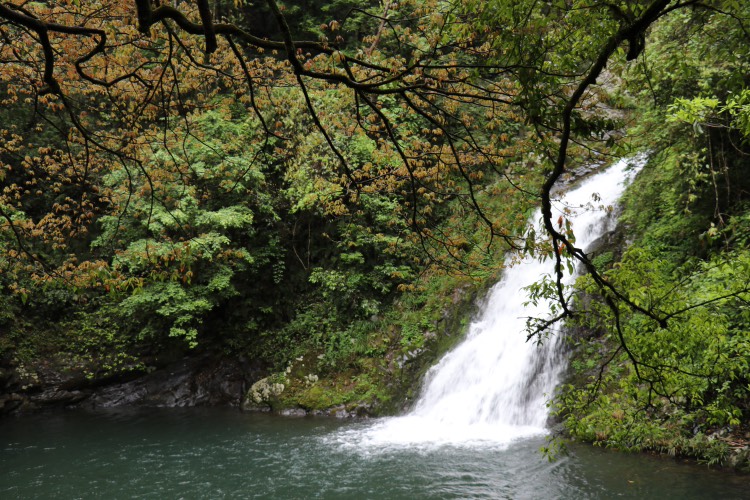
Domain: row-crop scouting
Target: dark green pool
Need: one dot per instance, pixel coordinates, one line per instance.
(225, 454)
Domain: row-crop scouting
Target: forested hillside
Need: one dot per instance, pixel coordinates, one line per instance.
(678, 382)
(315, 193)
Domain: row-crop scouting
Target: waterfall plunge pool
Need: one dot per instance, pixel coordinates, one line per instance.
(221, 453)
(475, 431)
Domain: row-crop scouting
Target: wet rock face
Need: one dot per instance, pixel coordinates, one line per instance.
(203, 381)
(191, 382)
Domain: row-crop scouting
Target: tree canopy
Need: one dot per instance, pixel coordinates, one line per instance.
(445, 92)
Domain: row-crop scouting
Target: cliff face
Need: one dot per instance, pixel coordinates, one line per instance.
(193, 381)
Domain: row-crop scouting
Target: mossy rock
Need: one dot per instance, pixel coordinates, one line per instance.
(320, 398)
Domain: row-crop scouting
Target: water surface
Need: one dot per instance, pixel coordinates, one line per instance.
(215, 453)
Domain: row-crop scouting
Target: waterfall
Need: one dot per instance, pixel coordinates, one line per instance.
(493, 387)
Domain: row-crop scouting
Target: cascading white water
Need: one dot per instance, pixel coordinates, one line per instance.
(493, 387)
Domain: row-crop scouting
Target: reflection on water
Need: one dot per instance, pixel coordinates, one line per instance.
(225, 454)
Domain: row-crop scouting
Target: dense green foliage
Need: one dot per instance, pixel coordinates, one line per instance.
(681, 386)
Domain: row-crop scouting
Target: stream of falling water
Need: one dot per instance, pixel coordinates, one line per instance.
(493, 387)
